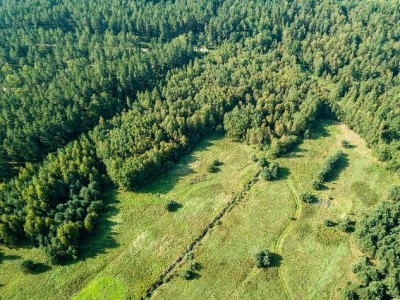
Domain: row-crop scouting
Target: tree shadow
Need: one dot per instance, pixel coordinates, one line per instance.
(276, 260)
(319, 130)
(296, 152)
(284, 173)
(38, 268)
(9, 257)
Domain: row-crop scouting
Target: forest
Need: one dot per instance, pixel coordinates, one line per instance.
(113, 93)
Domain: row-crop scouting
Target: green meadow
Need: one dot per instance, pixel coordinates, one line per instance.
(138, 238)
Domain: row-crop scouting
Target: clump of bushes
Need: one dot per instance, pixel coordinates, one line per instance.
(263, 259)
(308, 198)
(191, 271)
(172, 205)
(270, 172)
(213, 167)
(394, 193)
(330, 164)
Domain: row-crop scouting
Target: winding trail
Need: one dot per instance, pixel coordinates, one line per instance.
(168, 272)
(279, 242)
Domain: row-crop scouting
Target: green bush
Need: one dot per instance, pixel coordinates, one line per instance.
(394, 193)
(271, 172)
(308, 198)
(329, 223)
(191, 271)
(212, 168)
(346, 225)
(172, 205)
(263, 259)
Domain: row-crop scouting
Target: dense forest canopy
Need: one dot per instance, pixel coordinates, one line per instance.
(93, 93)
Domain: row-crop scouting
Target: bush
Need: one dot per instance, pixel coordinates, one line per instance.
(263, 259)
(190, 272)
(394, 193)
(316, 184)
(262, 162)
(346, 225)
(187, 274)
(172, 205)
(329, 223)
(254, 158)
(271, 172)
(212, 168)
(27, 266)
(346, 144)
(216, 162)
(308, 198)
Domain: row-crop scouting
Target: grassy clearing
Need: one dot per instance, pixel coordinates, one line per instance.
(138, 237)
(226, 255)
(315, 259)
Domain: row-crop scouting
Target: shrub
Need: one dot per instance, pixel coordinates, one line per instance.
(329, 223)
(308, 198)
(394, 193)
(216, 162)
(187, 274)
(27, 266)
(172, 205)
(263, 259)
(316, 184)
(346, 225)
(212, 168)
(190, 272)
(346, 144)
(254, 158)
(262, 162)
(271, 172)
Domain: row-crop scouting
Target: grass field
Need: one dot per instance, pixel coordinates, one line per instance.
(138, 238)
(315, 259)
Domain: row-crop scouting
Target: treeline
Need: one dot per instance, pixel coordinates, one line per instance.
(378, 272)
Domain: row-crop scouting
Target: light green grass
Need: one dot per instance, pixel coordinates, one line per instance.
(226, 254)
(315, 259)
(108, 287)
(138, 238)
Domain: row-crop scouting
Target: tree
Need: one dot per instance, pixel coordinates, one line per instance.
(263, 259)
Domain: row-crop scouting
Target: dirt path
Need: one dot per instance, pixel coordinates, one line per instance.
(279, 242)
(168, 272)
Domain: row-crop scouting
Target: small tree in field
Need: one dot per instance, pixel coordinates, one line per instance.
(172, 205)
(263, 259)
(308, 198)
